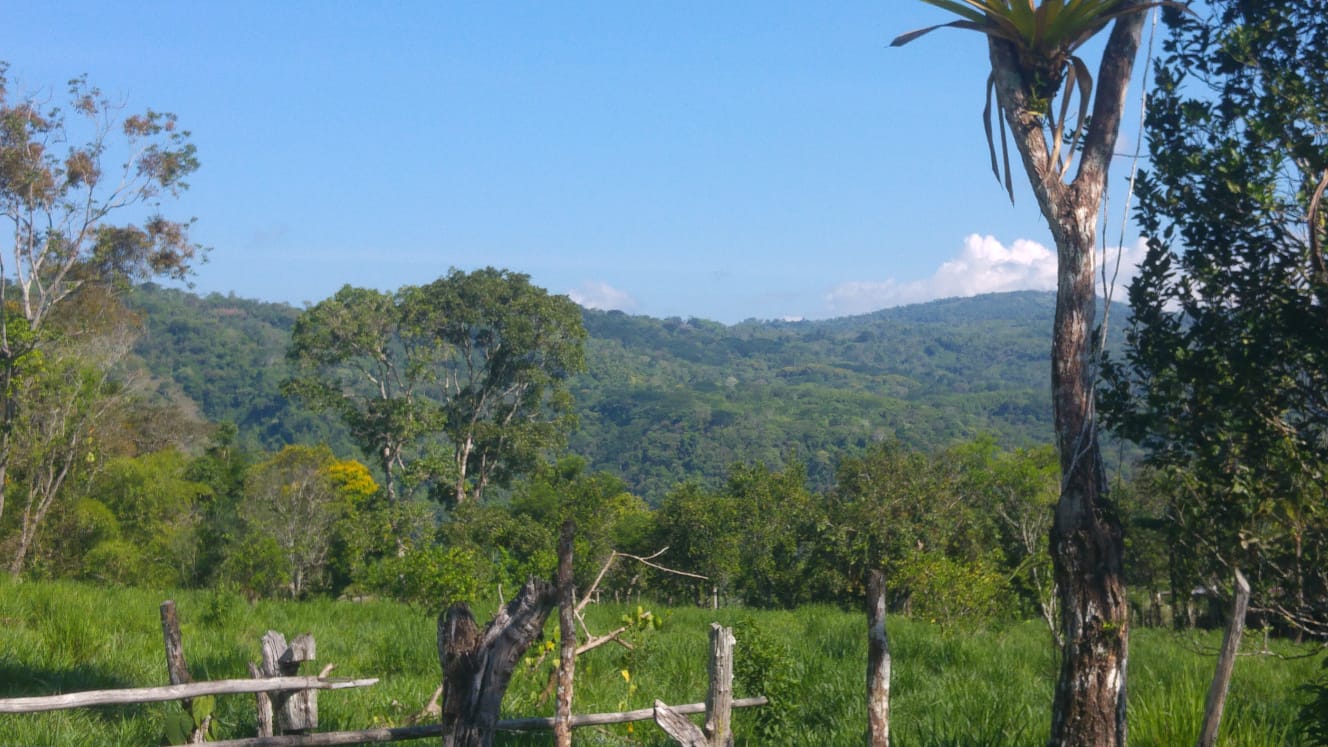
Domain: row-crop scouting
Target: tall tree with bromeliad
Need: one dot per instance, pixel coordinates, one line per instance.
(1035, 77)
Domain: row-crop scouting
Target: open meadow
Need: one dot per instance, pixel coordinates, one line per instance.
(950, 687)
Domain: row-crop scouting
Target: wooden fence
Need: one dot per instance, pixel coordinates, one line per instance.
(287, 702)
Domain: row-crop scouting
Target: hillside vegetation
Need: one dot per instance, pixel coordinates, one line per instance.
(668, 400)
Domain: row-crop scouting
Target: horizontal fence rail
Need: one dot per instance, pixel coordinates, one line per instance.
(426, 731)
(133, 695)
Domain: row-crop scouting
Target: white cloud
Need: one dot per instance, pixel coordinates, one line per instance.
(984, 265)
(596, 295)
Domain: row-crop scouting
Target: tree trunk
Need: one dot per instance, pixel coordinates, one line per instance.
(562, 721)
(1086, 540)
(1086, 544)
(878, 664)
(477, 665)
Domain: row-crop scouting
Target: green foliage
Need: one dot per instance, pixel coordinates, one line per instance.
(456, 385)
(1222, 379)
(666, 400)
(508, 348)
(157, 510)
(115, 562)
(299, 499)
(226, 357)
(256, 564)
(431, 578)
(950, 593)
(763, 664)
(1314, 713)
(756, 540)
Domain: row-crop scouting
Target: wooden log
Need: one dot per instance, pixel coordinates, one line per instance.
(678, 727)
(878, 664)
(263, 704)
(478, 665)
(1226, 662)
(562, 727)
(719, 697)
(127, 696)
(403, 733)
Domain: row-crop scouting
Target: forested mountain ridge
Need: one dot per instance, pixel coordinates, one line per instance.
(667, 400)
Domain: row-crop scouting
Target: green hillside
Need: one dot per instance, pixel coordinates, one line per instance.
(667, 400)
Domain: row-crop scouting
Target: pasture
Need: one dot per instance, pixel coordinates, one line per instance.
(950, 687)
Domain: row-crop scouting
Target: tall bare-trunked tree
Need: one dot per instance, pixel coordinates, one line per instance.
(1032, 51)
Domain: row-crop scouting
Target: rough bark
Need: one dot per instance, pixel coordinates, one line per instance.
(1086, 543)
(176, 666)
(719, 697)
(477, 665)
(878, 664)
(295, 711)
(562, 723)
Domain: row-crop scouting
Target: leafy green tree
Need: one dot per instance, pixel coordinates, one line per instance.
(1224, 377)
(59, 196)
(295, 499)
(462, 381)
(1033, 49)
(508, 350)
(158, 512)
(757, 539)
(69, 388)
(354, 356)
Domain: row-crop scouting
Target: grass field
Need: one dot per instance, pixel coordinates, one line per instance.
(950, 688)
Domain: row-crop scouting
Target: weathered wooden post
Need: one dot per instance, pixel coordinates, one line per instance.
(477, 665)
(878, 663)
(178, 669)
(1226, 662)
(296, 712)
(562, 720)
(718, 730)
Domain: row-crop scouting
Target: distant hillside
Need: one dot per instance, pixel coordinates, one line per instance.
(666, 400)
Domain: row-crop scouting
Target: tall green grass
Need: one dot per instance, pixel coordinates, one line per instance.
(950, 688)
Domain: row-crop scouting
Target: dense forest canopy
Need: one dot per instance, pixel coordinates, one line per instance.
(669, 400)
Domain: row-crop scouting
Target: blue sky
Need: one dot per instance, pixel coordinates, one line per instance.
(719, 160)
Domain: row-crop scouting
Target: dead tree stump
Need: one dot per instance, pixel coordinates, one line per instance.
(477, 665)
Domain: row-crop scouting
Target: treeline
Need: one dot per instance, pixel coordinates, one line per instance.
(663, 401)
(961, 532)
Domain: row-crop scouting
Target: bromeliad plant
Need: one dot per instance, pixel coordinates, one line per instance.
(1045, 38)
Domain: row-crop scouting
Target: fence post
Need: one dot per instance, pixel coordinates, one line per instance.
(1226, 661)
(178, 670)
(719, 700)
(296, 712)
